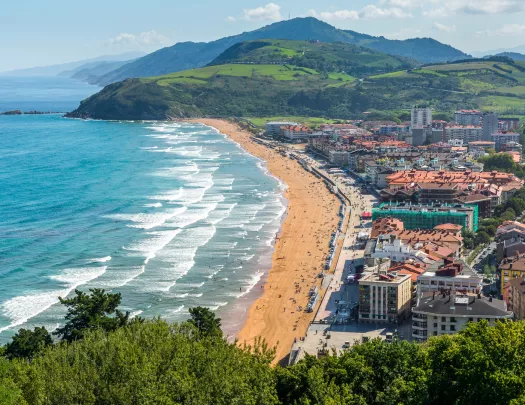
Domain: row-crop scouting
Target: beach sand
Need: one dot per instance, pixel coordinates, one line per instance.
(300, 249)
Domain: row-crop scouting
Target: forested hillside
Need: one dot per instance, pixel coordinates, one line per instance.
(104, 359)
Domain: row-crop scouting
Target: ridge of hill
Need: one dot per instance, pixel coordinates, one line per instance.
(189, 55)
(245, 88)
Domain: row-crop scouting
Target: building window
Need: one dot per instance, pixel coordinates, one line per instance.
(443, 319)
(443, 327)
(435, 333)
(453, 328)
(435, 325)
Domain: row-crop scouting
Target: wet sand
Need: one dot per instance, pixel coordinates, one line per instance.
(300, 249)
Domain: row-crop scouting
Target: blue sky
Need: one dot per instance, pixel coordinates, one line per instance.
(36, 33)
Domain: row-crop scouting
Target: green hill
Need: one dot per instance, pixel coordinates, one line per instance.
(189, 55)
(250, 89)
(321, 56)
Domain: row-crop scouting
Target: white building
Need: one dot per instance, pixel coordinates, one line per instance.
(421, 117)
(465, 133)
(274, 128)
(296, 133)
(445, 313)
(387, 246)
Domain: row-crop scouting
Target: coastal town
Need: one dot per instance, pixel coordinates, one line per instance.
(428, 240)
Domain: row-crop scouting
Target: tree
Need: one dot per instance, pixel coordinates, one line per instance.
(91, 311)
(205, 321)
(498, 161)
(482, 238)
(27, 343)
(508, 215)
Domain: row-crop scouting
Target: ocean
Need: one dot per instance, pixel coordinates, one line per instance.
(170, 215)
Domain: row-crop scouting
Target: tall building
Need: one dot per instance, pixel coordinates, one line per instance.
(468, 117)
(421, 117)
(385, 297)
(490, 124)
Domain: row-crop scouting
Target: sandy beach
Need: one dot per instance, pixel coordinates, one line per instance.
(299, 253)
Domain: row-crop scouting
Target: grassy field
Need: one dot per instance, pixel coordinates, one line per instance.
(277, 72)
(516, 90)
(491, 102)
(309, 121)
(400, 73)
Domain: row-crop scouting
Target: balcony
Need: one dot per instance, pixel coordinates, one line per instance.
(419, 316)
(419, 325)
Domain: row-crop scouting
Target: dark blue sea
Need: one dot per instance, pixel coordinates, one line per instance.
(170, 215)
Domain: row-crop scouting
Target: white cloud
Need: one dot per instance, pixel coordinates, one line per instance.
(368, 12)
(404, 3)
(143, 39)
(508, 30)
(230, 18)
(444, 28)
(270, 12)
(335, 15)
(371, 11)
(449, 7)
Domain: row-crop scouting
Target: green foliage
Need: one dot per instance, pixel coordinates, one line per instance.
(480, 364)
(205, 321)
(320, 57)
(154, 362)
(300, 78)
(91, 311)
(146, 363)
(499, 161)
(27, 343)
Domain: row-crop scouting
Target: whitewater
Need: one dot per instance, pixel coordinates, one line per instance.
(170, 215)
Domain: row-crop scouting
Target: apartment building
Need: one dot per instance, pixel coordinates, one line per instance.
(467, 133)
(510, 238)
(449, 275)
(421, 216)
(516, 298)
(296, 133)
(501, 139)
(274, 128)
(385, 297)
(468, 117)
(446, 313)
(490, 124)
(511, 268)
(421, 117)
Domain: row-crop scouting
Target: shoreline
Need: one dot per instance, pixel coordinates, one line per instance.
(312, 212)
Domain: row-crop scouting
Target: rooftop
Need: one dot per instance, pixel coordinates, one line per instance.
(461, 305)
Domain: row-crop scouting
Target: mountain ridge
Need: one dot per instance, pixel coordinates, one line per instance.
(189, 55)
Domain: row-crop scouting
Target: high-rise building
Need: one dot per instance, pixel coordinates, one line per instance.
(468, 117)
(490, 125)
(385, 297)
(421, 117)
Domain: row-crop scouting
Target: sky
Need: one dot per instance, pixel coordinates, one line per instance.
(48, 32)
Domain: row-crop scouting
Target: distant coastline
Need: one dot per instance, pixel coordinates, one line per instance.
(31, 112)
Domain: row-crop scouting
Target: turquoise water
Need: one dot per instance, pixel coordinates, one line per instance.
(170, 215)
(59, 94)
